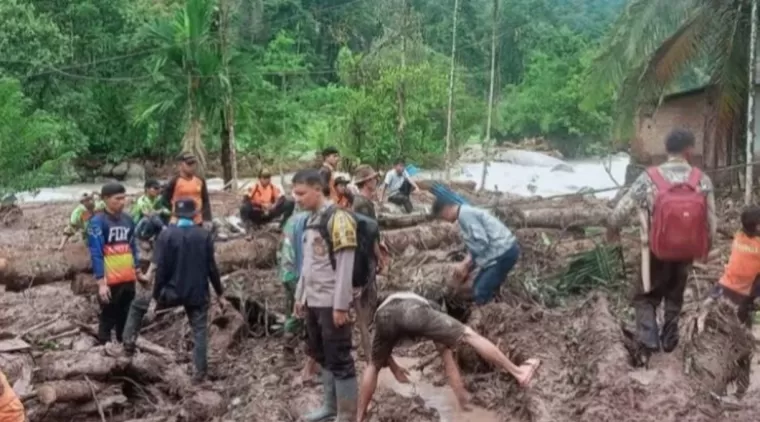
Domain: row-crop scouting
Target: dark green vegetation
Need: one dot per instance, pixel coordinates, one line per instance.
(86, 80)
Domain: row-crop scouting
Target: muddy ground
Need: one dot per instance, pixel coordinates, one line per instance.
(589, 368)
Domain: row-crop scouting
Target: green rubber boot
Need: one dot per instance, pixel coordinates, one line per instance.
(330, 407)
(347, 391)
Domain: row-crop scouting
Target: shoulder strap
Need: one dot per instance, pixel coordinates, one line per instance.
(325, 233)
(656, 176)
(694, 178)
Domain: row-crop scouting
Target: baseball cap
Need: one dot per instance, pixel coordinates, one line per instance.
(184, 208)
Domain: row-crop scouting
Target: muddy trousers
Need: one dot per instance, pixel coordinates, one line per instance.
(113, 315)
(198, 317)
(668, 282)
(330, 345)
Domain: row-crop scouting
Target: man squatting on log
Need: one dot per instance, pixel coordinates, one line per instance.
(407, 315)
(680, 203)
(115, 261)
(740, 283)
(11, 409)
(264, 202)
(491, 247)
(399, 185)
(185, 264)
(325, 293)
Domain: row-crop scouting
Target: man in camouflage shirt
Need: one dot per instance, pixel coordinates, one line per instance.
(668, 279)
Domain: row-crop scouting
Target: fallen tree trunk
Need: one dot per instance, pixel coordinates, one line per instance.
(21, 272)
(67, 391)
(560, 218)
(435, 282)
(397, 221)
(423, 237)
(455, 185)
(65, 365)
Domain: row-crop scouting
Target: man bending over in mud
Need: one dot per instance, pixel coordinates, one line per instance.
(740, 283)
(11, 409)
(115, 261)
(407, 315)
(491, 246)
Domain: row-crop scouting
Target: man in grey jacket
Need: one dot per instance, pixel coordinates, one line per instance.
(490, 244)
(324, 294)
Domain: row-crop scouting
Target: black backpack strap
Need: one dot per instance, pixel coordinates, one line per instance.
(325, 233)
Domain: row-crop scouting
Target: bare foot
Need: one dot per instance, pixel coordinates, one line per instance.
(464, 402)
(527, 370)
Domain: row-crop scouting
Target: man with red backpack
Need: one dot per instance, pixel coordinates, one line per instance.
(679, 205)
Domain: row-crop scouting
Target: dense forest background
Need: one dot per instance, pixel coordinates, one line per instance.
(109, 80)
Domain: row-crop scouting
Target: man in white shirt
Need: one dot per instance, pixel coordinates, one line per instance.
(399, 186)
(407, 315)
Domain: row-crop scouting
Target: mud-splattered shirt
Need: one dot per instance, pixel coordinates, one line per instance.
(643, 191)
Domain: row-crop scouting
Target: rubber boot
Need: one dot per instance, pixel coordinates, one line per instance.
(329, 407)
(347, 391)
(669, 336)
(646, 326)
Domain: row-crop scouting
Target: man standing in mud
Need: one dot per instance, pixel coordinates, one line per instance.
(366, 179)
(115, 262)
(185, 265)
(188, 185)
(491, 247)
(679, 204)
(407, 315)
(325, 292)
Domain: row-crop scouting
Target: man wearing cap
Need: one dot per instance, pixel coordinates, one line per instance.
(80, 216)
(344, 197)
(490, 244)
(366, 179)
(188, 185)
(399, 186)
(115, 260)
(330, 159)
(185, 264)
(264, 201)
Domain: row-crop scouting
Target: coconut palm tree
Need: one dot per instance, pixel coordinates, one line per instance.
(655, 44)
(188, 76)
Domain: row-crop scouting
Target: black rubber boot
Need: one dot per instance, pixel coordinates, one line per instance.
(646, 327)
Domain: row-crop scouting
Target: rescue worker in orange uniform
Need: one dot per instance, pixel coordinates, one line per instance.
(740, 283)
(264, 202)
(188, 185)
(11, 409)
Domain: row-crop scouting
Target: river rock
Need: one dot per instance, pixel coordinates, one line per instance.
(106, 170)
(120, 170)
(527, 158)
(135, 172)
(563, 167)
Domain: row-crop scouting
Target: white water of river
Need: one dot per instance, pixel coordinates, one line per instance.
(523, 180)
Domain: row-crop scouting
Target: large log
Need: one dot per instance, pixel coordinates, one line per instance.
(65, 365)
(423, 237)
(560, 218)
(397, 221)
(456, 185)
(68, 391)
(434, 281)
(24, 271)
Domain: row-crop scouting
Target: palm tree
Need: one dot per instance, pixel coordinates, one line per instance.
(655, 44)
(188, 76)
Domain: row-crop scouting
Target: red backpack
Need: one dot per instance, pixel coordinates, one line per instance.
(678, 228)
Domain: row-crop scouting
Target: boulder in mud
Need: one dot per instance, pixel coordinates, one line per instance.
(204, 406)
(106, 170)
(135, 172)
(120, 170)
